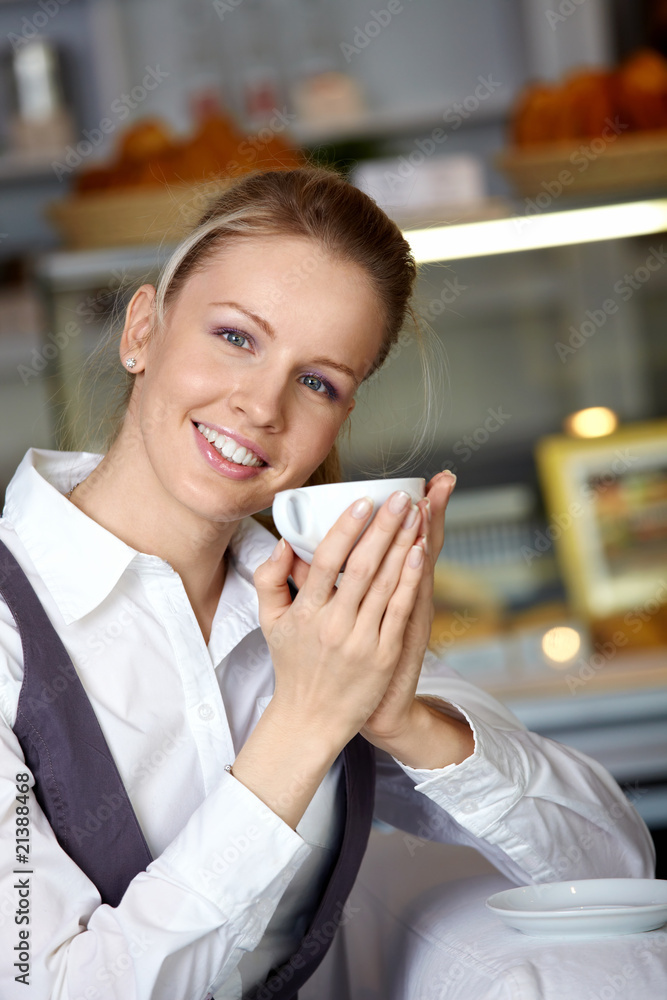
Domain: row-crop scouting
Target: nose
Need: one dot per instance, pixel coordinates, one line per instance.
(261, 399)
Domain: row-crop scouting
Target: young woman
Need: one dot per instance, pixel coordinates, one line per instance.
(188, 752)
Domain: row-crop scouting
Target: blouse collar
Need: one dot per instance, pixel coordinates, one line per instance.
(81, 575)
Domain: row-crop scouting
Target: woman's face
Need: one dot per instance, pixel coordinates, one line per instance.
(265, 348)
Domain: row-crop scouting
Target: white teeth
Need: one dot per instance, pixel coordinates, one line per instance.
(231, 450)
(227, 446)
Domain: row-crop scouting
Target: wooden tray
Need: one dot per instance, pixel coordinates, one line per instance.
(131, 216)
(628, 162)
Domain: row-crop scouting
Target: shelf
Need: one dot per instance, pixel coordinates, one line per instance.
(389, 123)
(516, 233)
(29, 166)
(450, 232)
(72, 270)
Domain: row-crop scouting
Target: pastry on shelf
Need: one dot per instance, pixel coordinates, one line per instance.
(157, 184)
(149, 156)
(536, 118)
(596, 131)
(577, 108)
(642, 90)
(583, 104)
(588, 102)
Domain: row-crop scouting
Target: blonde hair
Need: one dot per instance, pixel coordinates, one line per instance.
(314, 203)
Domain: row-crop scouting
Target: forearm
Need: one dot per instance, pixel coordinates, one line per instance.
(431, 739)
(284, 760)
(552, 811)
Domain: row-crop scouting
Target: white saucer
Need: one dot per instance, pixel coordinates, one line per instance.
(589, 907)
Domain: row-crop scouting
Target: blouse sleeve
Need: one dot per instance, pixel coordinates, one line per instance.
(538, 810)
(181, 926)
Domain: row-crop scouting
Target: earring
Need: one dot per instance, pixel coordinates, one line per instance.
(131, 362)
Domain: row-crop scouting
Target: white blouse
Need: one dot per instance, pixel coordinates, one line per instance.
(232, 887)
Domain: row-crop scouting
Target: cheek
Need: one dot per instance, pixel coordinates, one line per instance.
(160, 403)
(314, 445)
(176, 379)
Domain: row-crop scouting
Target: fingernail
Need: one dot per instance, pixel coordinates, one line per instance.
(398, 502)
(423, 541)
(278, 551)
(410, 517)
(362, 507)
(451, 475)
(415, 556)
(428, 509)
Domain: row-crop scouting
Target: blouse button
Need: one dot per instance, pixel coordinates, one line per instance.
(206, 712)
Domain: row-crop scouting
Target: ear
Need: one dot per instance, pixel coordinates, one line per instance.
(138, 324)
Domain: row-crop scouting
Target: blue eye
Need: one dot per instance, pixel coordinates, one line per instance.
(237, 339)
(309, 380)
(233, 337)
(320, 385)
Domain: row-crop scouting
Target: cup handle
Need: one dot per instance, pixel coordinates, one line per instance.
(292, 509)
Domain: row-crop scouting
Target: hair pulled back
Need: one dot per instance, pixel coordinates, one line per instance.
(315, 203)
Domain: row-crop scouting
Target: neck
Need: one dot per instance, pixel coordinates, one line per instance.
(124, 496)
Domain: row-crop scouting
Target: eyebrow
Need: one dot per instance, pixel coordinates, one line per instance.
(270, 332)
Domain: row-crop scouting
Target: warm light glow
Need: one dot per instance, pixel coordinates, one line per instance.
(561, 643)
(596, 421)
(532, 232)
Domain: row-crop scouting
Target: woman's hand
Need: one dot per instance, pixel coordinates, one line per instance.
(335, 650)
(395, 716)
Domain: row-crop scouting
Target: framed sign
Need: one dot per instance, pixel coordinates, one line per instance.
(606, 501)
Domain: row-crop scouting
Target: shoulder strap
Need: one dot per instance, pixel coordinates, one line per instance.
(77, 782)
(359, 768)
(78, 786)
(283, 982)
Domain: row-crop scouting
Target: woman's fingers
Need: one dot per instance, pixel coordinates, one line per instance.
(270, 580)
(386, 579)
(363, 562)
(299, 572)
(374, 566)
(439, 490)
(373, 569)
(402, 601)
(413, 629)
(333, 550)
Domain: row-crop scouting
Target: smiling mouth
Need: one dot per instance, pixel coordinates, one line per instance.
(229, 448)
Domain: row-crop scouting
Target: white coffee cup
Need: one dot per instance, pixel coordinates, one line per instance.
(304, 516)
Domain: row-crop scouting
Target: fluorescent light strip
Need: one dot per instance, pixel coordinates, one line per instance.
(532, 232)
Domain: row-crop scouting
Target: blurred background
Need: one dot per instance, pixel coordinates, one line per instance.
(522, 147)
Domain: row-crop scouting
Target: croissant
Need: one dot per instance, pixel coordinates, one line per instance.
(588, 101)
(149, 156)
(642, 90)
(537, 117)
